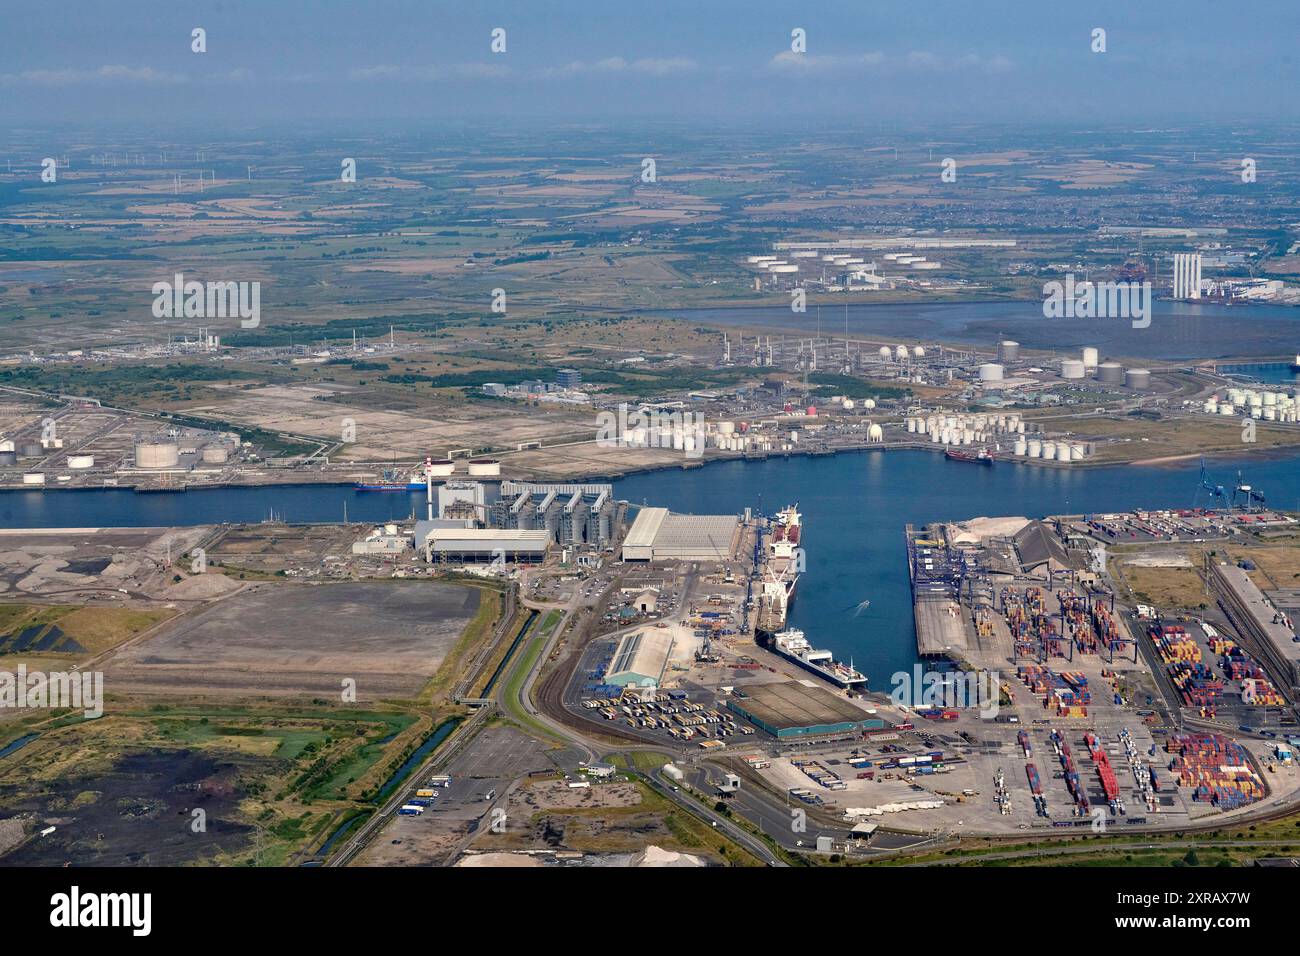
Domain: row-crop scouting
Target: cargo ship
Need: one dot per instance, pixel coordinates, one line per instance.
(782, 561)
(981, 457)
(390, 481)
(793, 646)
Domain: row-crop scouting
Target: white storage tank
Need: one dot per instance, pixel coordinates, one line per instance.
(81, 462)
(1035, 448)
(157, 454)
(34, 478)
(215, 454)
(1008, 351)
(901, 353)
(1137, 378)
(875, 433)
(1090, 357)
(990, 372)
(1049, 450)
(441, 467)
(1112, 373)
(1021, 447)
(885, 353)
(1072, 369)
(491, 467)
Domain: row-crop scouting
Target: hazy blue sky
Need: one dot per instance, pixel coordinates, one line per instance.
(868, 61)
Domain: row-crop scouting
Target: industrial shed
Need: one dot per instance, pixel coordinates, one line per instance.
(485, 544)
(793, 709)
(641, 659)
(658, 535)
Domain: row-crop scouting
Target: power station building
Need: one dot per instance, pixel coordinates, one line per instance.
(1187, 275)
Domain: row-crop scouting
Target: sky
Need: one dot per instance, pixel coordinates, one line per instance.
(866, 62)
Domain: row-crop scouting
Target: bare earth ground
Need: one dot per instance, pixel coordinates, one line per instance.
(304, 639)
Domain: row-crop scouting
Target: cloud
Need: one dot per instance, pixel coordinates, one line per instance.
(647, 66)
(920, 61)
(111, 73)
(424, 74)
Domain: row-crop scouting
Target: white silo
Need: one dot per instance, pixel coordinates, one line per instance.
(1072, 369)
(1021, 447)
(1049, 450)
(1090, 357)
(990, 372)
(1035, 448)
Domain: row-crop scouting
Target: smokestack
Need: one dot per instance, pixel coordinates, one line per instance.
(428, 485)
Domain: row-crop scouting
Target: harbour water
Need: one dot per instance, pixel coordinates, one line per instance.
(854, 508)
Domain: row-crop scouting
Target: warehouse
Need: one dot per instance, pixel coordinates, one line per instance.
(641, 659)
(485, 544)
(794, 710)
(658, 535)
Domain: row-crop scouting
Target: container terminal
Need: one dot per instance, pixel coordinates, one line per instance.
(1081, 724)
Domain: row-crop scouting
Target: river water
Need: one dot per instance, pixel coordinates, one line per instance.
(854, 505)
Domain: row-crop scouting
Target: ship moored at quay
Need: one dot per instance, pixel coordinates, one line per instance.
(794, 647)
(777, 564)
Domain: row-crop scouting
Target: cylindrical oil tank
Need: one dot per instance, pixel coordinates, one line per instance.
(1021, 447)
(726, 428)
(81, 462)
(990, 372)
(34, 478)
(30, 449)
(6, 445)
(8, 459)
(441, 467)
(1072, 369)
(157, 454)
(1008, 351)
(1137, 378)
(215, 454)
(1227, 408)
(1035, 448)
(1112, 373)
(484, 467)
(1090, 357)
